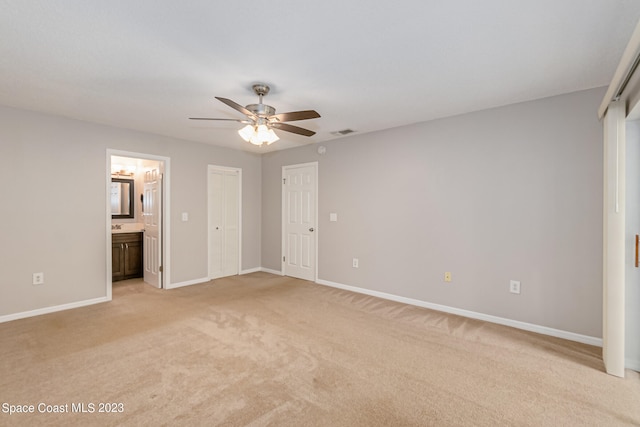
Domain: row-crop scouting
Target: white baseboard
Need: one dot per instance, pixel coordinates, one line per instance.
(585, 339)
(53, 309)
(187, 283)
(206, 279)
(632, 364)
(268, 270)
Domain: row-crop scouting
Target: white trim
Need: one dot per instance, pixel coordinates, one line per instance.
(166, 214)
(189, 283)
(283, 209)
(268, 270)
(625, 67)
(632, 364)
(225, 169)
(205, 279)
(613, 248)
(107, 206)
(585, 339)
(53, 309)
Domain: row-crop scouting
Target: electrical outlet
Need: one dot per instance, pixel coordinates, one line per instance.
(514, 287)
(355, 263)
(447, 276)
(38, 278)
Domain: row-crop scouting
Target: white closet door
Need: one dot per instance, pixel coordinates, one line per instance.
(224, 221)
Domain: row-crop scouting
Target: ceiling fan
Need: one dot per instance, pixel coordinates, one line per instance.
(262, 119)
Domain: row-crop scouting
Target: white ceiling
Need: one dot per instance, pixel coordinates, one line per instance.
(365, 65)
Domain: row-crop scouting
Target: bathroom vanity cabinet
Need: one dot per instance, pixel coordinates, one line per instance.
(126, 255)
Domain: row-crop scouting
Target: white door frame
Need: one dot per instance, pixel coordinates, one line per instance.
(283, 219)
(622, 97)
(614, 235)
(209, 245)
(166, 193)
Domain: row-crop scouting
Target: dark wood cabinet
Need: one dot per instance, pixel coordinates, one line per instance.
(126, 256)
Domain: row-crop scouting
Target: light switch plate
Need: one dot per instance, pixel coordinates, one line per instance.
(333, 217)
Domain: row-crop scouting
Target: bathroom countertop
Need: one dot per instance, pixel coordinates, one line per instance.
(128, 228)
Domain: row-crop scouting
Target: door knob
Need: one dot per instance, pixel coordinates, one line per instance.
(311, 229)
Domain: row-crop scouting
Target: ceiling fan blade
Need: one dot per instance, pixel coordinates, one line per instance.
(237, 106)
(226, 120)
(293, 129)
(295, 115)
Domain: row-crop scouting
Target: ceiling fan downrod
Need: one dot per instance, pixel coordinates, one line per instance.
(261, 90)
(260, 109)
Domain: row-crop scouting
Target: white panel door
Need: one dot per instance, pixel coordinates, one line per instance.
(152, 214)
(231, 224)
(224, 221)
(216, 219)
(299, 220)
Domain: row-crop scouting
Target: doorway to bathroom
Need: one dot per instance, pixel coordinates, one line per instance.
(137, 218)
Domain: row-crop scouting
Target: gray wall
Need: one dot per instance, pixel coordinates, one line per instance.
(507, 193)
(53, 214)
(500, 194)
(632, 274)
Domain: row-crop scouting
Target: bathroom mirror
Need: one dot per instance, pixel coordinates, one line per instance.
(121, 198)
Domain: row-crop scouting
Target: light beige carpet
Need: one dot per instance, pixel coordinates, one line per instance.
(268, 350)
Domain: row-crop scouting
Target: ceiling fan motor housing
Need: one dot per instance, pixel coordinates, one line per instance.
(261, 110)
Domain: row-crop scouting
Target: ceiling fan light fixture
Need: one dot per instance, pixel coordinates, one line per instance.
(272, 137)
(258, 134)
(266, 134)
(255, 141)
(246, 132)
(262, 131)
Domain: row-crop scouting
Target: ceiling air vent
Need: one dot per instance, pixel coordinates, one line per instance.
(343, 132)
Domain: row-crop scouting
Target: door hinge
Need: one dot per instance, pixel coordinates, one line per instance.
(282, 259)
(160, 269)
(284, 180)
